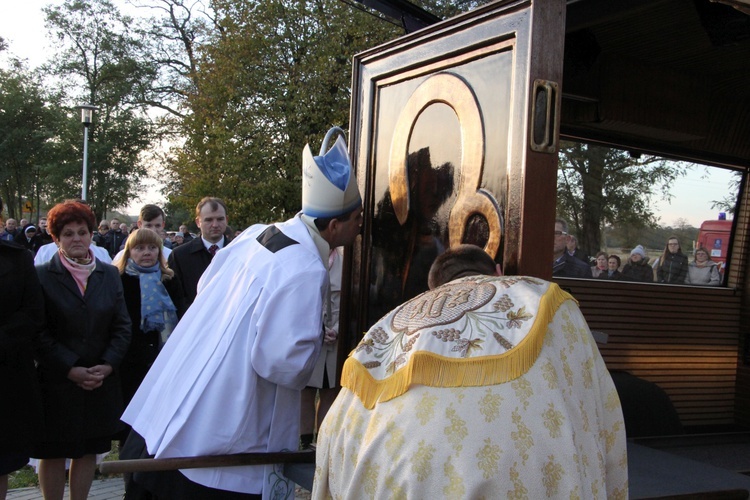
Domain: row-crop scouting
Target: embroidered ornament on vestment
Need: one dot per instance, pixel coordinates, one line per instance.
(477, 330)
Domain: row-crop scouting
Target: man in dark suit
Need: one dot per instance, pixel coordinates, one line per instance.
(114, 238)
(564, 265)
(574, 251)
(190, 259)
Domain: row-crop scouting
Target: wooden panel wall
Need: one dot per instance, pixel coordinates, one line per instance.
(739, 277)
(684, 339)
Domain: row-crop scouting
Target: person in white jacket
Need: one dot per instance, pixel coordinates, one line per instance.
(229, 378)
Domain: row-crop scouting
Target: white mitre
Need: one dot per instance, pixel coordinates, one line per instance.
(329, 188)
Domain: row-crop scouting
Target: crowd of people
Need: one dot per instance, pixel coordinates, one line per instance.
(84, 327)
(79, 334)
(671, 267)
(215, 347)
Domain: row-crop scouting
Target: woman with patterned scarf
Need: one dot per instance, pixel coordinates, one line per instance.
(153, 298)
(79, 353)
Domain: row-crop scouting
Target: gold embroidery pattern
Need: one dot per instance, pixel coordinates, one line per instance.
(458, 393)
(519, 491)
(354, 422)
(372, 429)
(455, 487)
(623, 460)
(620, 493)
(588, 370)
(522, 439)
(595, 489)
(370, 473)
(567, 372)
(397, 492)
(553, 421)
(503, 304)
(613, 401)
(421, 461)
(509, 281)
(442, 306)
(569, 330)
(584, 417)
(489, 406)
(564, 444)
(551, 475)
(610, 436)
(575, 494)
(461, 307)
(550, 375)
(489, 458)
(456, 432)
(523, 390)
(395, 439)
(426, 408)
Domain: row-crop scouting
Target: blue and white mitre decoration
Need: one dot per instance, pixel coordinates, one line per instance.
(329, 187)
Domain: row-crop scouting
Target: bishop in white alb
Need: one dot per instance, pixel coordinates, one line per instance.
(228, 379)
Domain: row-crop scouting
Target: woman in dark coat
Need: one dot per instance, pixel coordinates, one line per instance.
(673, 264)
(86, 338)
(613, 269)
(637, 268)
(21, 319)
(153, 296)
(29, 239)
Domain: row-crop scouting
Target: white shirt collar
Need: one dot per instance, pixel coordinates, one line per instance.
(208, 244)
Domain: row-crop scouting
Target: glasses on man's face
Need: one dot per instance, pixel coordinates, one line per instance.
(560, 233)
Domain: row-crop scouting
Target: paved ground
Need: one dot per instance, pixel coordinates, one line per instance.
(696, 463)
(101, 489)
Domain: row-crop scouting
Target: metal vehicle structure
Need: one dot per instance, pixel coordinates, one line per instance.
(454, 133)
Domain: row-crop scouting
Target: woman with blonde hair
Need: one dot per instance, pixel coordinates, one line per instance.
(153, 299)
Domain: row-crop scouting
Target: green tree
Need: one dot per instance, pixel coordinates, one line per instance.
(172, 34)
(273, 76)
(27, 136)
(728, 204)
(598, 186)
(98, 63)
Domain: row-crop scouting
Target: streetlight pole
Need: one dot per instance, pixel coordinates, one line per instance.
(87, 115)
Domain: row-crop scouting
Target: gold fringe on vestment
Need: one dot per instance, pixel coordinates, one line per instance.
(434, 370)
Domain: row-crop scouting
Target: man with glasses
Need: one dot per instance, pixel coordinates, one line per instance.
(564, 265)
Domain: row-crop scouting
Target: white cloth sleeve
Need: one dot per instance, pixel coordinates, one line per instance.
(290, 331)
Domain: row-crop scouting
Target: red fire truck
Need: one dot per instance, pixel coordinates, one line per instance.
(714, 237)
